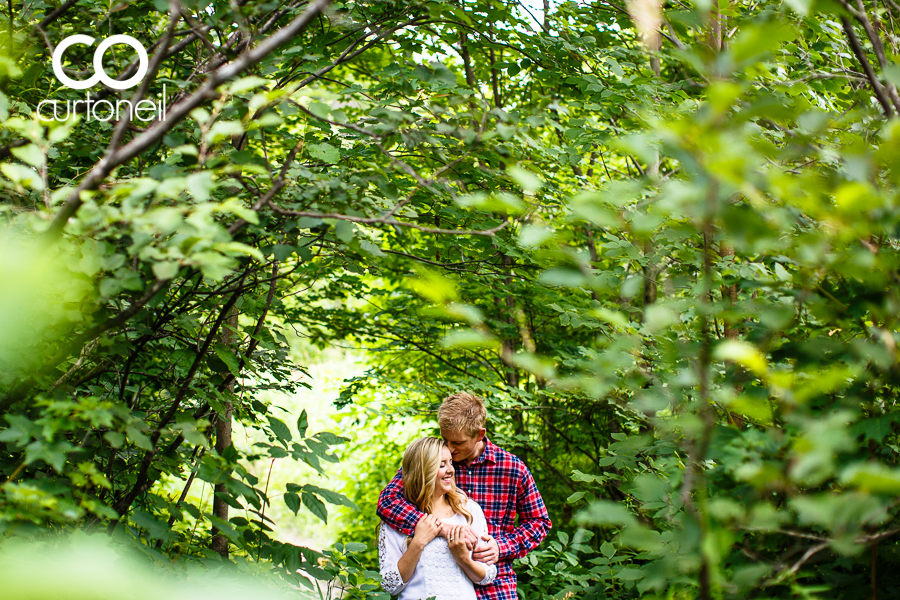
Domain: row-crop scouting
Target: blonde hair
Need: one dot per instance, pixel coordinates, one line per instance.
(462, 412)
(421, 461)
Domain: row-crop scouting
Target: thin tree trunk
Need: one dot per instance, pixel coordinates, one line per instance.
(467, 60)
(651, 269)
(874, 572)
(223, 440)
(715, 27)
(512, 375)
(731, 293)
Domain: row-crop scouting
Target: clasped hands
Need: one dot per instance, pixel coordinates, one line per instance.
(459, 537)
(488, 552)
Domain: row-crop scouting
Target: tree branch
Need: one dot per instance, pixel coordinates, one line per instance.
(877, 88)
(150, 136)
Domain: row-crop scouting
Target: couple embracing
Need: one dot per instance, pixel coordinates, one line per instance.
(448, 526)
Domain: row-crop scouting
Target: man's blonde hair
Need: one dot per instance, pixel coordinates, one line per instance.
(462, 412)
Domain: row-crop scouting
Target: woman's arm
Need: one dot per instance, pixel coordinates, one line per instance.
(407, 563)
(474, 570)
(390, 551)
(398, 564)
(479, 524)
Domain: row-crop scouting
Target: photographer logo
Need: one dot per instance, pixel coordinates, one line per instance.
(101, 110)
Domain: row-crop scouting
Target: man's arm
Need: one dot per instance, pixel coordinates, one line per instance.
(534, 522)
(395, 510)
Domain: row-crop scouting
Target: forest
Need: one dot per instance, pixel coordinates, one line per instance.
(661, 239)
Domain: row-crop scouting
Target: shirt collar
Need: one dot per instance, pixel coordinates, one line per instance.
(488, 455)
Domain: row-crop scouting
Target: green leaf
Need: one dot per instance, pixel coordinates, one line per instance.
(22, 175)
(370, 248)
(604, 512)
(533, 236)
(782, 273)
(139, 439)
(53, 453)
(156, 529)
(281, 431)
(292, 501)
(302, 424)
(575, 497)
(222, 130)
(607, 549)
(29, 154)
(891, 71)
(234, 206)
(165, 270)
(226, 355)
(245, 84)
(873, 478)
(801, 7)
(330, 496)
(344, 230)
(325, 152)
(315, 506)
(468, 338)
(200, 185)
(229, 500)
(433, 286)
(115, 439)
(563, 278)
(745, 354)
(525, 179)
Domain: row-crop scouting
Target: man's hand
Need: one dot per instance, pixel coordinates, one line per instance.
(470, 536)
(488, 552)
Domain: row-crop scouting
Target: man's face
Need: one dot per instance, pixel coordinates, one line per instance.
(463, 446)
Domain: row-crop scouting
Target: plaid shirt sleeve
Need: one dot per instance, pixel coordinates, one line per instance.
(534, 521)
(395, 510)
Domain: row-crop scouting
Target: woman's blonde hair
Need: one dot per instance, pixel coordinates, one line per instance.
(421, 461)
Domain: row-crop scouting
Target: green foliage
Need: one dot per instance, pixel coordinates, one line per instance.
(88, 568)
(672, 273)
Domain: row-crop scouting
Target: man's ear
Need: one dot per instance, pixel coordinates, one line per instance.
(480, 435)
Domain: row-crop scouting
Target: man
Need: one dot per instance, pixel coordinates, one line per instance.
(492, 477)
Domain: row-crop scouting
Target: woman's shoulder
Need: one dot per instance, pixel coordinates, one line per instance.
(388, 531)
(473, 507)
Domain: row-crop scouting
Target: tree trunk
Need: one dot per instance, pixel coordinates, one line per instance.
(512, 375)
(731, 293)
(651, 269)
(715, 26)
(223, 441)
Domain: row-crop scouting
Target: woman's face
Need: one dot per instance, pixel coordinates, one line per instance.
(445, 473)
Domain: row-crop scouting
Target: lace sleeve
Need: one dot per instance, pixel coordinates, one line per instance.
(389, 552)
(479, 524)
(490, 573)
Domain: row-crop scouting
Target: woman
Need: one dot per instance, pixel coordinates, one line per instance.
(426, 565)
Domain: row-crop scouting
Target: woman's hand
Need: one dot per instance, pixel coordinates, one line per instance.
(461, 554)
(469, 534)
(457, 542)
(427, 529)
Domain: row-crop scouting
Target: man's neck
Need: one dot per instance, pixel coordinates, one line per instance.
(479, 450)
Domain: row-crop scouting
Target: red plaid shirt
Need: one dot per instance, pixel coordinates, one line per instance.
(503, 486)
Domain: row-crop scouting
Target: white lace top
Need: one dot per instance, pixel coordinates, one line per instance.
(437, 574)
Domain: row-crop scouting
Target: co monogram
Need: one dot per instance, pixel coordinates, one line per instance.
(99, 73)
